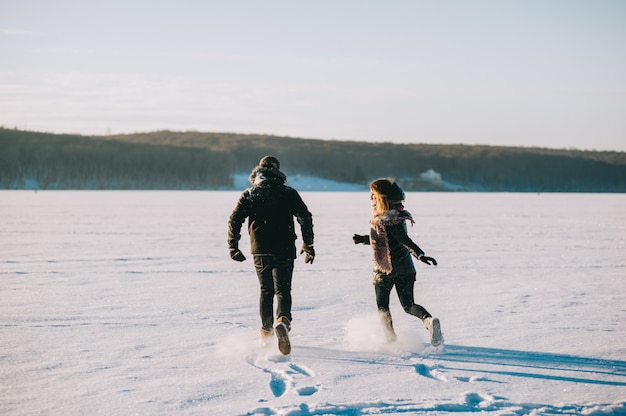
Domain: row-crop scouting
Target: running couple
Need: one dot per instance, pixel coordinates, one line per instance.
(270, 207)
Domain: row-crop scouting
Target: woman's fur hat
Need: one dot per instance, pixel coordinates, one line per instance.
(388, 188)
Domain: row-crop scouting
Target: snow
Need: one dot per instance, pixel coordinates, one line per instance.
(122, 303)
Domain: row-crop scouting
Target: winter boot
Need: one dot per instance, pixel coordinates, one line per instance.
(385, 318)
(434, 328)
(266, 335)
(282, 333)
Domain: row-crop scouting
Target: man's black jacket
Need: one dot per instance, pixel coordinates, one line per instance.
(270, 207)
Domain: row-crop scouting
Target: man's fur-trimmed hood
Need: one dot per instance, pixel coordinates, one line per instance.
(262, 175)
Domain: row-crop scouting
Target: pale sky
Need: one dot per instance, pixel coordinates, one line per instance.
(549, 73)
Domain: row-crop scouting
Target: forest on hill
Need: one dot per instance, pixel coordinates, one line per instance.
(200, 160)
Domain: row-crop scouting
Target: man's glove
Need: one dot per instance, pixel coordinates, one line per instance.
(237, 255)
(310, 253)
(428, 260)
(361, 239)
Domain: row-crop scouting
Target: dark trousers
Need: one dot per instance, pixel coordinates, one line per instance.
(404, 284)
(274, 273)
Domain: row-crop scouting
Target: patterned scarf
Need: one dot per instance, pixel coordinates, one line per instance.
(378, 235)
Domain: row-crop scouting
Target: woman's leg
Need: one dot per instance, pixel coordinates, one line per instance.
(383, 290)
(404, 286)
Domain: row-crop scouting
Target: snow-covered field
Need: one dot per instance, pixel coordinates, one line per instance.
(123, 303)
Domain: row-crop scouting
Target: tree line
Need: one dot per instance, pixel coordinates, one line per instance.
(199, 160)
(76, 162)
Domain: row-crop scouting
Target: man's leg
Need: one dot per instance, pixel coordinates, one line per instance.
(282, 273)
(263, 268)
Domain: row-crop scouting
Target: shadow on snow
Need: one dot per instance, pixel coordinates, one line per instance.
(513, 363)
(533, 360)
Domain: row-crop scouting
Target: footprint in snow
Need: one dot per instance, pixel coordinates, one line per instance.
(283, 374)
(302, 370)
(428, 372)
(308, 391)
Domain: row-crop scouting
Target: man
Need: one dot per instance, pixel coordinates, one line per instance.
(270, 207)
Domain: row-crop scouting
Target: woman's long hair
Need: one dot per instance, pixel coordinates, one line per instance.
(380, 202)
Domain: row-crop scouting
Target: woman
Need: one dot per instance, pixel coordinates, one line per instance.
(393, 249)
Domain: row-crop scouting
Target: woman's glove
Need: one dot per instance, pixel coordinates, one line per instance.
(361, 239)
(428, 260)
(310, 253)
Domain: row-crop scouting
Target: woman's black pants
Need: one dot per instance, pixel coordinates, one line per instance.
(404, 284)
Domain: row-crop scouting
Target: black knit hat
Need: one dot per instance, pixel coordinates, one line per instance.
(269, 162)
(389, 188)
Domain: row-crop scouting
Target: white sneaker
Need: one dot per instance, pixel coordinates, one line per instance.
(434, 328)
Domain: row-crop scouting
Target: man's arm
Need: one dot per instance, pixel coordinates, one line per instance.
(304, 218)
(236, 220)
